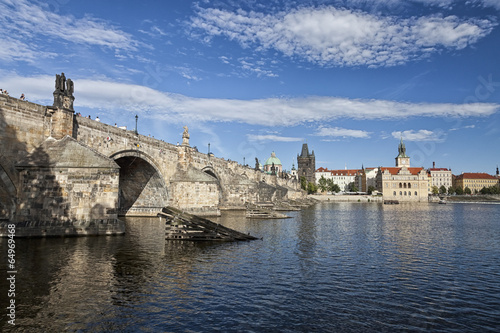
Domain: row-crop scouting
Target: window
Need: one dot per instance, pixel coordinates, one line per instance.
(409, 185)
(416, 193)
(400, 193)
(394, 193)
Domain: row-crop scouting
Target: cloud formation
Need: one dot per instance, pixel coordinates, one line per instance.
(272, 138)
(342, 132)
(120, 97)
(330, 36)
(420, 135)
(22, 20)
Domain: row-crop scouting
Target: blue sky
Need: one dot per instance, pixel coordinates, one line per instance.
(349, 77)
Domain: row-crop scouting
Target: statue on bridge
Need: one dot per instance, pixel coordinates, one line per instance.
(63, 94)
(257, 165)
(185, 137)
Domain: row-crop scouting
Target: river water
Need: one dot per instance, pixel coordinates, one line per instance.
(334, 267)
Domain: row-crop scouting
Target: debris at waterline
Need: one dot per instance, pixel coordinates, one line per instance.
(184, 226)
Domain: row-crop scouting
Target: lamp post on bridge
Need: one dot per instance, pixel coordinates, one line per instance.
(136, 117)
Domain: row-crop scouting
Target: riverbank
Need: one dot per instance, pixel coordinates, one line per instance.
(472, 198)
(346, 198)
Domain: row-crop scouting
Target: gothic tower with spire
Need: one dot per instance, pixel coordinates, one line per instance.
(306, 163)
(402, 160)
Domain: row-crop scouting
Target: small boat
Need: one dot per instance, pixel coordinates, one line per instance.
(391, 202)
(442, 202)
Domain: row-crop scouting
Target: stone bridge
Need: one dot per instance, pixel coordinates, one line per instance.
(56, 166)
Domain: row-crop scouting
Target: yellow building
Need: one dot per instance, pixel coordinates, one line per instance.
(475, 181)
(403, 183)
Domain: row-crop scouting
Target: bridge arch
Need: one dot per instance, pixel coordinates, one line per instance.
(142, 190)
(211, 171)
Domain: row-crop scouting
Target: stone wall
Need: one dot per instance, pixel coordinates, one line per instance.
(67, 194)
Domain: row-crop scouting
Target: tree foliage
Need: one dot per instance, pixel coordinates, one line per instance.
(442, 189)
(323, 184)
(311, 188)
(435, 190)
(303, 183)
(370, 189)
(490, 190)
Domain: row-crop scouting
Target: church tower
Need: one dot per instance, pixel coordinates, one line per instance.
(402, 160)
(306, 163)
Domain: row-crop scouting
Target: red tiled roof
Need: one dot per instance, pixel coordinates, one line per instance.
(395, 170)
(341, 172)
(438, 169)
(479, 175)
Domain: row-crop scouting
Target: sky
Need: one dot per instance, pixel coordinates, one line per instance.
(348, 77)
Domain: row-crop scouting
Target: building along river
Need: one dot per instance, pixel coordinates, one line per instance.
(334, 267)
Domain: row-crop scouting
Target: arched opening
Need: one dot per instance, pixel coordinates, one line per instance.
(142, 188)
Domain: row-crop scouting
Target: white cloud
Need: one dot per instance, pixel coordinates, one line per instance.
(420, 135)
(342, 132)
(341, 37)
(490, 3)
(122, 97)
(272, 138)
(27, 21)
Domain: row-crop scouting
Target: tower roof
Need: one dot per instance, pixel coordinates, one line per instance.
(305, 151)
(402, 149)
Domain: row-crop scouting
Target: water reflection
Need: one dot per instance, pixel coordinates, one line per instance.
(334, 267)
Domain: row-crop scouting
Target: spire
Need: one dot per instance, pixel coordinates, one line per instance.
(402, 149)
(305, 150)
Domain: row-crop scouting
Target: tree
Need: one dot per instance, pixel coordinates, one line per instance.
(467, 190)
(322, 184)
(435, 190)
(303, 183)
(335, 188)
(370, 189)
(451, 190)
(459, 190)
(442, 189)
(353, 187)
(311, 188)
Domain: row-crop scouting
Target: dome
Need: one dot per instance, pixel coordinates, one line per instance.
(273, 159)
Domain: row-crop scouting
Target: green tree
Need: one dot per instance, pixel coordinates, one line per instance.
(467, 190)
(322, 184)
(451, 190)
(435, 190)
(370, 189)
(303, 183)
(459, 190)
(442, 189)
(311, 188)
(353, 187)
(335, 188)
